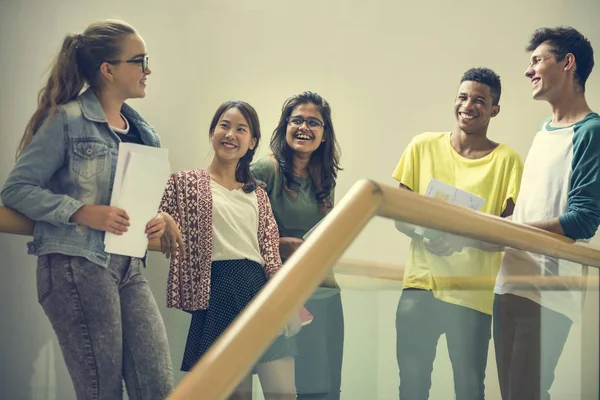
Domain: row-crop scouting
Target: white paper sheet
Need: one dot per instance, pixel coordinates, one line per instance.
(141, 175)
(450, 194)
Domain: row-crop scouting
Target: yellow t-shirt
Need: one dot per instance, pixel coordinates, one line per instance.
(495, 178)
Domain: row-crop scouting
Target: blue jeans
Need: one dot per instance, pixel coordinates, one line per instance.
(420, 321)
(108, 326)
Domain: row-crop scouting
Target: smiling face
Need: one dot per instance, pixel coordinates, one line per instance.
(126, 74)
(474, 107)
(548, 76)
(305, 129)
(232, 136)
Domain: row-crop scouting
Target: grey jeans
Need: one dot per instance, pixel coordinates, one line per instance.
(108, 326)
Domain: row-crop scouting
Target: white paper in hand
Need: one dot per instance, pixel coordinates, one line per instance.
(138, 189)
(450, 194)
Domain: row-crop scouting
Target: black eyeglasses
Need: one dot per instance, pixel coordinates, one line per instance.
(312, 123)
(143, 62)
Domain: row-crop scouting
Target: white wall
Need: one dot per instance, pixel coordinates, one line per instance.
(390, 71)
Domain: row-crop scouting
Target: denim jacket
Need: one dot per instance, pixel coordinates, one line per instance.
(70, 162)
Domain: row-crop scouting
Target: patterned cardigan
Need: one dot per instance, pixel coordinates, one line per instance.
(188, 199)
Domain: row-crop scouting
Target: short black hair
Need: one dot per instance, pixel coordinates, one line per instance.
(564, 40)
(487, 77)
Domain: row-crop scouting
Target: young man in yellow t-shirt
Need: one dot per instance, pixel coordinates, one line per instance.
(432, 303)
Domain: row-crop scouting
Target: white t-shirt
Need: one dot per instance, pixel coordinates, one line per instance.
(235, 224)
(561, 178)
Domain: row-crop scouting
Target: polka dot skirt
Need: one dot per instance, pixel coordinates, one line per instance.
(233, 285)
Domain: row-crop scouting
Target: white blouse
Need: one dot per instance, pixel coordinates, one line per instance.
(235, 224)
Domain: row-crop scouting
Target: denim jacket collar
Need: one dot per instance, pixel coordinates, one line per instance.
(93, 111)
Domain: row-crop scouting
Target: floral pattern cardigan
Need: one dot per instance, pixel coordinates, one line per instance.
(188, 199)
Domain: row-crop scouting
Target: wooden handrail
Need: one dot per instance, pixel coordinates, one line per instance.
(403, 205)
(228, 360)
(347, 268)
(16, 223)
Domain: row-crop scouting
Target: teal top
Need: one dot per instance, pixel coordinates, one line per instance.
(296, 213)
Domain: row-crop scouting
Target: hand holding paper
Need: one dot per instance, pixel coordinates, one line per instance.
(450, 194)
(298, 320)
(102, 218)
(142, 172)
